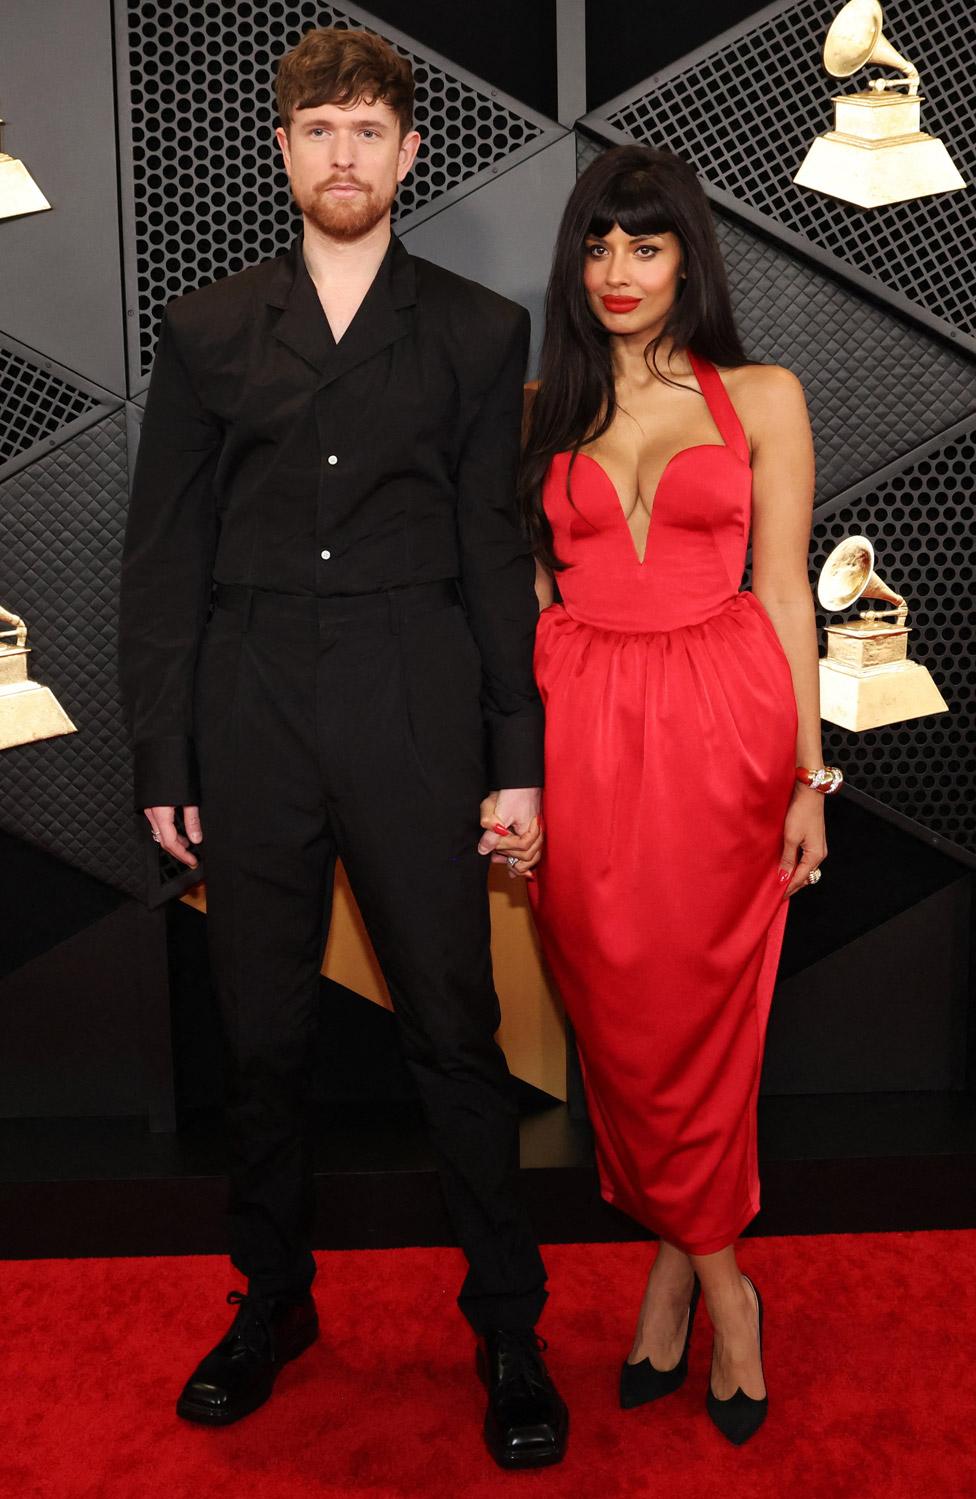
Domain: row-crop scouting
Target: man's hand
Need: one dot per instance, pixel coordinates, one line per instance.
(162, 820)
(518, 809)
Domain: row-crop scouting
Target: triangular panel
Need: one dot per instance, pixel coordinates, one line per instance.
(40, 405)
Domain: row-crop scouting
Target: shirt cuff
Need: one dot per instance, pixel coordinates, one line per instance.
(165, 773)
(516, 749)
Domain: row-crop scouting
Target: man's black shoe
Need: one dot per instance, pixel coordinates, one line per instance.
(239, 1374)
(526, 1422)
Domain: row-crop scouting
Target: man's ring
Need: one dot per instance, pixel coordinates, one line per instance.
(155, 837)
(512, 860)
(813, 876)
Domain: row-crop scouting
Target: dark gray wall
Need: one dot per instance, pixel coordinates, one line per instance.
(491, 237)
(60, 272)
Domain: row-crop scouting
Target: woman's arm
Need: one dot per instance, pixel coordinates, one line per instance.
(544, 590)
(783, 480)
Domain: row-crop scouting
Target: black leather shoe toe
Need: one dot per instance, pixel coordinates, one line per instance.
(239, 1374)
(526, 1422)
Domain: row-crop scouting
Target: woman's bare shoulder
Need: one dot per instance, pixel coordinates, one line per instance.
(765, 396)
(761, 382)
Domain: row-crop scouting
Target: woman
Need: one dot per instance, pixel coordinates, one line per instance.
(678, 712)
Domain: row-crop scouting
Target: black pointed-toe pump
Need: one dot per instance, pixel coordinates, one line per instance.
(641, 1382)
(740, 1417)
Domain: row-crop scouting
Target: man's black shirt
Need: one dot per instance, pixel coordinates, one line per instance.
(272, 456)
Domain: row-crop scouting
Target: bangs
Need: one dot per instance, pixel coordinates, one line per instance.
(634, 201)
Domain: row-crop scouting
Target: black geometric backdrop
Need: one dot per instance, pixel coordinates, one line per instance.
(205, 196)
(872, 310)
(73, 794)
(876, 383)
(37, 403)
(921, 519)
(745, 109)
(202, 195)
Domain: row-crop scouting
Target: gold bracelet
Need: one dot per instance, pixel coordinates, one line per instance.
(826, 780)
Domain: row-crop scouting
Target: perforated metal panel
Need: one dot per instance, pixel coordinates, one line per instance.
(921, 521)
(35, 404)
(208, 196)
(63, 523)
(745, 110)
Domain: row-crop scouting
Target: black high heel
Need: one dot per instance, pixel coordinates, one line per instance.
(740, 1417)
(641, 1382)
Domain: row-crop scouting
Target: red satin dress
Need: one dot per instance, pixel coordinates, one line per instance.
(670, 752)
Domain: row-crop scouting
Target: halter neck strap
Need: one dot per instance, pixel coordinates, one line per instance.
(721, 408)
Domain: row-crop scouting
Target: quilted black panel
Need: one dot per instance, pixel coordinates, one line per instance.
(746, 113)
(877, 386)
(63, 524)
(209, 195)
(921, 522)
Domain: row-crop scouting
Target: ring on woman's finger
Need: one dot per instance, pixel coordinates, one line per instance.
(512, 860)
(813, 876)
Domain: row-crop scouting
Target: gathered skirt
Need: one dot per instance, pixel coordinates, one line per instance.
(669, 771)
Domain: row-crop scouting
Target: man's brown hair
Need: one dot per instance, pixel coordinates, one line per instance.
(330, 66)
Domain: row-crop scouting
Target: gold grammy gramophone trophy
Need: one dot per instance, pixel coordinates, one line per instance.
(19, 193)
(866, 679)
(28, 711)
(876, 152)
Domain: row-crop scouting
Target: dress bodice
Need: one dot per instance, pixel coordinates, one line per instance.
(697, 536)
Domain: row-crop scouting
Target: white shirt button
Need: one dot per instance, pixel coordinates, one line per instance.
(333, 458)
(325, 556)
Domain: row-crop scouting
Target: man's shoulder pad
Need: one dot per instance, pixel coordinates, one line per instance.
(224, 300)
(471, 297)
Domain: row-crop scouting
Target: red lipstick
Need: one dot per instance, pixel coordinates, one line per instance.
(620, 304)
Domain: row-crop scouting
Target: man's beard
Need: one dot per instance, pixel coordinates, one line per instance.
(342, 218)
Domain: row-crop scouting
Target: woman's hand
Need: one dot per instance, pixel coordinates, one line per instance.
(501, 810)
(803, 836)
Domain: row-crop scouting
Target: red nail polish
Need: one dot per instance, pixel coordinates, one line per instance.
(499, 828)
(784, 876)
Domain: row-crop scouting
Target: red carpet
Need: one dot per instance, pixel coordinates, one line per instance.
(869, 1358)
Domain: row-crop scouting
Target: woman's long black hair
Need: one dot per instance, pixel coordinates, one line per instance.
(645, 191)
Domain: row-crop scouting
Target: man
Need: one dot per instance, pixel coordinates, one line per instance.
(327, 461)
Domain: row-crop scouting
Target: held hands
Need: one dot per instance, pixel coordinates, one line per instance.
(803, 834)
(162, 820)
(517, 809)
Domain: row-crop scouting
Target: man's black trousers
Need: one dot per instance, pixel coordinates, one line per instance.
(351, 727)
